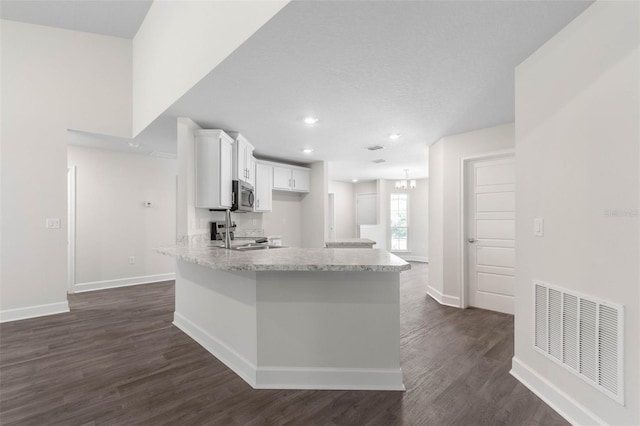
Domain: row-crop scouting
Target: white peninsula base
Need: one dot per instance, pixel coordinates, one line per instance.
(296, 329)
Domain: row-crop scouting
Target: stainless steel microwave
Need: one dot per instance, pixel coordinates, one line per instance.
(243, 197)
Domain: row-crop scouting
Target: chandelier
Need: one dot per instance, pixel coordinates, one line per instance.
(405, 183)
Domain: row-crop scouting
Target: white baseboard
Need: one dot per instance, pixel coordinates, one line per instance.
(567, 407)
(34, 311)
(292, 377)
(229, 357)
(443, 299)
(330, 378)
(122, 282)
(410, 258)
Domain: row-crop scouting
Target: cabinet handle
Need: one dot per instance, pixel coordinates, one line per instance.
(294, 183)
(258, 203)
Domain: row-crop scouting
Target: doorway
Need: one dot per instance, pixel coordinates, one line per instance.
(332, 216)
(71, 229)
(489, 232)
(366, 209)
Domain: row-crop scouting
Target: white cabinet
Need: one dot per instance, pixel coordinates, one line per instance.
(213, 165)
(243, 161)
(301, 180)
(263, 187)
(291, 178)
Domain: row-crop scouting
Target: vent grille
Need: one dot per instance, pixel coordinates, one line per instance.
(583, 334)
(378, 161)
(374, 148)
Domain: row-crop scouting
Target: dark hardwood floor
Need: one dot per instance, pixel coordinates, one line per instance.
(117, 360)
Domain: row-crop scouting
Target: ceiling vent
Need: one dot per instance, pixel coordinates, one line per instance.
(375, 147)
(378, 161)
(583, 334)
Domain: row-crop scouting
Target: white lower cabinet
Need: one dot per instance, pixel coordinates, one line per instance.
(263, 187)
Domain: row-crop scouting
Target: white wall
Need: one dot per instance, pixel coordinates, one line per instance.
(577, 152)
(447, 174)
(436, 218)
(345, 208)
(418, 247)
(368, 187)
(285, 218)
(314, 208)
(52, 80)
(180, 42)
(111, 221)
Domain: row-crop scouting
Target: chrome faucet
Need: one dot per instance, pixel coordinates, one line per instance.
(227, 230)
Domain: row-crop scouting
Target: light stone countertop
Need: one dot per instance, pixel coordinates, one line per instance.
(213, 256)
(349, 242)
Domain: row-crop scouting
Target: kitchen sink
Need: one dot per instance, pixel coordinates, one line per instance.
(254, 246)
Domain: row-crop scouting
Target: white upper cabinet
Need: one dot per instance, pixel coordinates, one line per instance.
(243, 161)
(213, 164)
(301, 180)
(263, 187)
(291, 178)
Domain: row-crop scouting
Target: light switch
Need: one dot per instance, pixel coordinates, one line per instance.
(538, 227)
(53, 223)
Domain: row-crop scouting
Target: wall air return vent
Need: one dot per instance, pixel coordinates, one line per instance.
(583, 334)
(378, 161)
(375, 147)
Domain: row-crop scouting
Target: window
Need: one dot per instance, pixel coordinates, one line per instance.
(399, 222)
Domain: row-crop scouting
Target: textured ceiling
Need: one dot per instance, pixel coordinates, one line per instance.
(369, 69)
(366, 70)
(110, 17)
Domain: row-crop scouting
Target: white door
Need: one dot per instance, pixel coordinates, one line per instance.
(490, 233)
(366, 209)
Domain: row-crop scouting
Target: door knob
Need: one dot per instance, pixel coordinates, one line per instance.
(471, 240)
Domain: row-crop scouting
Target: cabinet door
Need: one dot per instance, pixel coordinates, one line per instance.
(282, 178)
(251, 168)
(263, 187)
(240, 159)
(301, 181)
(226, 173)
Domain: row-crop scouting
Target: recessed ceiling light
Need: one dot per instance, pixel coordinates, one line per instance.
(134, 144)
(307, 150)
(354, 180)
(311, 120)
(394, 136)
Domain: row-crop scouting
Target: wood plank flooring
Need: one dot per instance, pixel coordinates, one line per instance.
(115, 359)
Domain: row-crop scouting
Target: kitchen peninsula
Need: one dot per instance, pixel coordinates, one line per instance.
(294, 318)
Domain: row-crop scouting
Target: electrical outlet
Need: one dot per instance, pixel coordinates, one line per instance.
(52, 223)
(255, 222)
(538, 227)
(132, 260)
